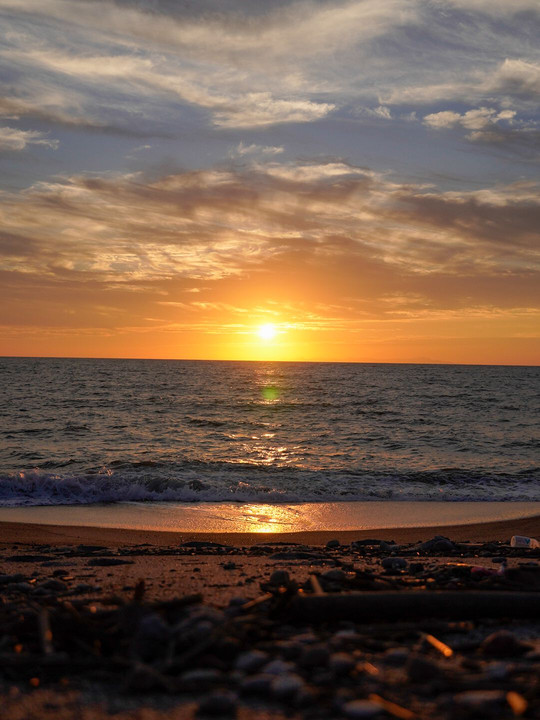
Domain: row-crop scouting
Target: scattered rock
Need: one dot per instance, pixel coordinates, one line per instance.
(341, 663)
(360, 709)
(420, 669)
(221, 703)
(279, 577)
(394, 563)
(285, 686)
(108, 562)
(502, 644)
(437, 544)
(251, 661)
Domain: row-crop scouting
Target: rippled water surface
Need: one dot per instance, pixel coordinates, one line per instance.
(79, 431)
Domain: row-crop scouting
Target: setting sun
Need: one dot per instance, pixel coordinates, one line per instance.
(267, 332)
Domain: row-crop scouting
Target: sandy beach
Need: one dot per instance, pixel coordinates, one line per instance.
(36, 533)
(155, 625)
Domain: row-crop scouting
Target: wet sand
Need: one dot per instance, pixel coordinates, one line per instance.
(29, 533)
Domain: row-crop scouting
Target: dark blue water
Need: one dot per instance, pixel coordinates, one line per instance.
(81, 431)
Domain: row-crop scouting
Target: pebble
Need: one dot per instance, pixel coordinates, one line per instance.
(331, 544)
(220, 703)
(503, 643)
(277, 667)
(480, 700)
(260, 684)
(285, 686)
(54, 585)
(230, 566)
(334, 576)
(437, 544)
(420, 669)
(23, 587)
(197, 679)
(315, 656)
(341, 663)
(359, 709)
(279, 577)
(394, 563)
(83, 588)
(251, 661)
(151, 637)
(396, 657)
(9, 579)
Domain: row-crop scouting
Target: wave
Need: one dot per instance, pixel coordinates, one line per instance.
(155, 482)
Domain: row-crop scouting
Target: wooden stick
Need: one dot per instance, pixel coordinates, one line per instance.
(386, 606)
(316, 585)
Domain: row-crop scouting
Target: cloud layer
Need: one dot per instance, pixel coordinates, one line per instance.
(178, 167)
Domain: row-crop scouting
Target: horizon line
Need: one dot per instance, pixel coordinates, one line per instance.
(318, 362)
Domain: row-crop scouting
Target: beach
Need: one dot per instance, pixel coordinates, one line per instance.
(228, 624)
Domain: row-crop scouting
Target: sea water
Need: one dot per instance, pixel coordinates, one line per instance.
(82, 431)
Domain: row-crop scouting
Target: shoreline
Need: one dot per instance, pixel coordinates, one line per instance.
(37, 533)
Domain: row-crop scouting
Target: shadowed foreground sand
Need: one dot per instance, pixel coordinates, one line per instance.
(102, 623)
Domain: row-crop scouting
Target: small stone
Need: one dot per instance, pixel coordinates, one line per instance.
(394, 563)
(108, 562)
(9, 579)
(251, 661)
(54, 585)
(480, 700)
(196, 680)
(503, 643)
(277, 667)
(331, 544)
(334, 576)
(396, 657)
(437, 544)
(280, 577)
(23, 587)
(220, 703)
(84, 588)
(151, 637)
(315, 656)
(420, 669)
(202, 544)
(341, 663)
(360, 709)
(285, 686)
(260, 684)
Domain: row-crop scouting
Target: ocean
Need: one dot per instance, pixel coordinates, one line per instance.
(84, 431)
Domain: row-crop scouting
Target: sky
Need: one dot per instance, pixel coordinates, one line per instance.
(358, 178)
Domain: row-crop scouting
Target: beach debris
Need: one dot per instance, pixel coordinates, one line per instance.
(392, 708)
(524, 542)
(517, 702)
(443, 648)
(363, 638)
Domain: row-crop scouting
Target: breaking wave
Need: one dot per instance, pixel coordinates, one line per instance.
(152, 482)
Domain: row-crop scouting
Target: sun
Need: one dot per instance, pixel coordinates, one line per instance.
(267, 332)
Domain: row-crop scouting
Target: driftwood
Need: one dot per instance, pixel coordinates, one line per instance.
(385, 606)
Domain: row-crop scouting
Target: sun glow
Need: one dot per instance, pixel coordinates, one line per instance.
(267, 332)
